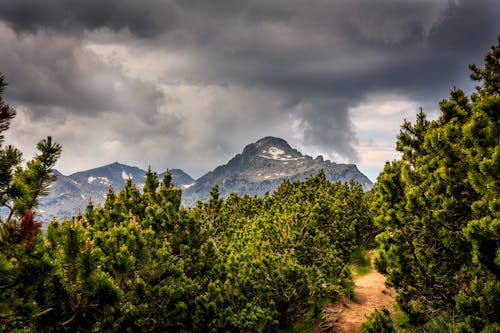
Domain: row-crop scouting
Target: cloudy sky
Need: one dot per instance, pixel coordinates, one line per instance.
(187, 84)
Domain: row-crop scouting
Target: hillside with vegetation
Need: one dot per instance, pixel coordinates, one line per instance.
(143, 263)
(438, 210)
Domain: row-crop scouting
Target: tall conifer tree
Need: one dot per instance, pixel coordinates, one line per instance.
(439, 208)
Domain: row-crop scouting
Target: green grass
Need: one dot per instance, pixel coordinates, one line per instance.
(360, 261)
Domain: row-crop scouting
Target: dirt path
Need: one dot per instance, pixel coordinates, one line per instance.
(347, 315)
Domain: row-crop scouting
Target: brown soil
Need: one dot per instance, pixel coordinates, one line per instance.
(347, 315)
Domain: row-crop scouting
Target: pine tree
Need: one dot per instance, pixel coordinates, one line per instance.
(438, 208)
(24, 266)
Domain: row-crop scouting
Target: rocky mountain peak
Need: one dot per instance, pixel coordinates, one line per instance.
(263, 165)
(271, 148)
(271, 141)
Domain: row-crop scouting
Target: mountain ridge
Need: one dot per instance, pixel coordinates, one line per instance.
(69, 193)
(261, 167)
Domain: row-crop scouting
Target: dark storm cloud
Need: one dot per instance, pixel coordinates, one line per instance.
(319, 57)
(52, 73)
(143, 18)
(334, 128)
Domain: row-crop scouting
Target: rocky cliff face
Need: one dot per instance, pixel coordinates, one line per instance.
(263, 165)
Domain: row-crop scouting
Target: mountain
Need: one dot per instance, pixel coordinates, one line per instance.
(68, 193)
(261, 168)
(180, 178)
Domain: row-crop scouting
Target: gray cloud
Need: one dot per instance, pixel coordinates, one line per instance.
(144, 18)
(321, 131)
(301, 62)
(52, 73)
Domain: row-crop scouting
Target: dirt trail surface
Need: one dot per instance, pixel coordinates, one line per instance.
(347, 315)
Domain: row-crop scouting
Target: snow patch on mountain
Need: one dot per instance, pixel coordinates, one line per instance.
(277, 154)
(104, 180)
(274, 152)
(100, 180)
(185, 186)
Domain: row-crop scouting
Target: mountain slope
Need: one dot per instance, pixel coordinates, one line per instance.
(179, 177)
(68, 193)
(262, 166)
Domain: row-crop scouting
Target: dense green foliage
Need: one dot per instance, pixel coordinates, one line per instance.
(439, 209)
(379, 321)
(298, 240)
(22, 266)
(142, 263)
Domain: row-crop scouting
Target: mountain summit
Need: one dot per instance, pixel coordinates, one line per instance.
(261, 168)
